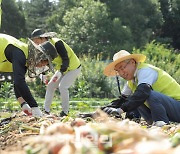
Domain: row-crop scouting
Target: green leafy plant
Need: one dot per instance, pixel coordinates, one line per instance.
(162, 56)
(7, 95)
(92, 83)
(6, 90)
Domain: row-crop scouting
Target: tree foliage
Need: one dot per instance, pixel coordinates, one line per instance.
(13, 20)
(97, 27)
(92, 83)
(89, 30)
(37, 13)
(142, 17)
(57, 16)
(85, 27)
(163, 57)
(170, 30)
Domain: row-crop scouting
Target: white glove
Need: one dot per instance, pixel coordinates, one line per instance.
(43, 78)
(113, 111)
(36, 112)
(159, 123)
(26, 108)
(56, 76)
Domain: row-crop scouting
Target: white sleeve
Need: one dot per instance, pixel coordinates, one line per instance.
(126, 90)
(147, 75)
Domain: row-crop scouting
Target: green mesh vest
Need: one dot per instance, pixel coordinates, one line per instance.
(165, 84)
(5, 40)
(73, 59)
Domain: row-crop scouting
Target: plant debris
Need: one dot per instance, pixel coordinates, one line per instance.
(53, 135)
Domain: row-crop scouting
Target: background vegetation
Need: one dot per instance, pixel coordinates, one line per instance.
(96, 29)
(96, 26)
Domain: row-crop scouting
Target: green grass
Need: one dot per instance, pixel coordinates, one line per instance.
(76, 105)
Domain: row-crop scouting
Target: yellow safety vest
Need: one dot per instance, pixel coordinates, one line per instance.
(165, 84)
(73, 59)
(5, 40)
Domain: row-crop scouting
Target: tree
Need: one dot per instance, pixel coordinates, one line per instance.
(89, 30)
(57, 16)
(171, 25)
(176, 25)
(141, 16)
(162, 56)
(0, 12)
(13, 20)
(37, 13)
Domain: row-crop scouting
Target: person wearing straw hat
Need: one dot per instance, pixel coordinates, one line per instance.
(18, 57)
(67, 67)
(149, 89)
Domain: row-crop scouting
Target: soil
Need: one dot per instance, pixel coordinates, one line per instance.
(18, 133)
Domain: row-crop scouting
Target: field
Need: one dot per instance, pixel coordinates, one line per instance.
(73, 135)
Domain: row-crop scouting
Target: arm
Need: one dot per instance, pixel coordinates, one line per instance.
(64, 55)
(139, 97)
(126, 91)
(18, 60)
(146, 77)
(116, 103)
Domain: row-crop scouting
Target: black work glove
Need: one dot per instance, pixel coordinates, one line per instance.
(133, 114)
(116, 103)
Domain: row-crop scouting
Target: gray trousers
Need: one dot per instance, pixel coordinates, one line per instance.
(162, 108)
(63, 84)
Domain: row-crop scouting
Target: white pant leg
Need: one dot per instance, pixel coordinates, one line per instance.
(66, 81)
(50, 89)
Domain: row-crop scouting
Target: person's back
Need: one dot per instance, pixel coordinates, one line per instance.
(7, 44)
(14, 55)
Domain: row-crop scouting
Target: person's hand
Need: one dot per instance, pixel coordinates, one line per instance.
(36, 112)
(26, 108)
(113, 111)
(56, 76)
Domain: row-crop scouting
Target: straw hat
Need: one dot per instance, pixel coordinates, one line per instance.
(119, 57)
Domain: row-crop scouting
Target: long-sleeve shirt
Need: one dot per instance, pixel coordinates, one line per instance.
(18, 60)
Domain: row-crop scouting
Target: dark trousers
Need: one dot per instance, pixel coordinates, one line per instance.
(161, 108)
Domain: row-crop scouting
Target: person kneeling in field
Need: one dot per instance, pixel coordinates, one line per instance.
(18, 57)
(150, 90)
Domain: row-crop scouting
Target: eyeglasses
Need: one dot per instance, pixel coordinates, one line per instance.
(122, 67)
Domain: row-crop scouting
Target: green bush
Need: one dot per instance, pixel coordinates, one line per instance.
(160, 55)
(6, 96)
(37, 88)
(92, 83)
(6, 90)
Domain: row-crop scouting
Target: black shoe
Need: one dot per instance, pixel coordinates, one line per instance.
(62, 114)
(46, 112)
